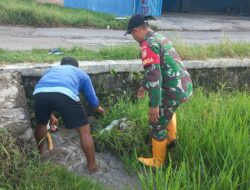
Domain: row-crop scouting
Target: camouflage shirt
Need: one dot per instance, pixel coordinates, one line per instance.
(166, 78)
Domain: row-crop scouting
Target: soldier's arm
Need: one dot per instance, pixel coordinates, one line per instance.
(152, 74)
(152, 82)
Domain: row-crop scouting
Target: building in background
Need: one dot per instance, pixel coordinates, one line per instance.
(232, 7)
(158, 7)
(119, 7)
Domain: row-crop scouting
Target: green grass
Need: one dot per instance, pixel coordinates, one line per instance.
(21, 169)
(29, 12)
(213, 150)
(226, 49)
(41, 56)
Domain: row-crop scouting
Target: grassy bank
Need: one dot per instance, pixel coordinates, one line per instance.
(29, 12)
(40, 56)
(187, 52)
(213, 150)
(226, 49)
(21, 169)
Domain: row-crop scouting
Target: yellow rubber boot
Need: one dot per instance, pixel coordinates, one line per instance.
(171, 128)
(159, 149)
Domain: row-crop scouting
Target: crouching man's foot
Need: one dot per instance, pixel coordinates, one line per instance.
(93, 169)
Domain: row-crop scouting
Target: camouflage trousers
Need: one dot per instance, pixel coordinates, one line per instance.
(158, 130)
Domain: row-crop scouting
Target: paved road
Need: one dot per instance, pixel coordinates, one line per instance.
(189, 28)
(26, 38)
(202, 22)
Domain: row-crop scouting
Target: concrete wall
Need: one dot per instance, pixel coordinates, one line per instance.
(211, 74)
(14, 114)
(113, 79)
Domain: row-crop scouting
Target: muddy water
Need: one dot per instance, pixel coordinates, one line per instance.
(112, 172)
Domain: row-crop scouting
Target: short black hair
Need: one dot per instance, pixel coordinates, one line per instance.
(70, 61)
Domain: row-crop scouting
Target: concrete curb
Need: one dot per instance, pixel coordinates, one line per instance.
(95, 67)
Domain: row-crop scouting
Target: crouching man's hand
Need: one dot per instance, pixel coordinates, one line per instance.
(100, 110)
(53, 120)
(53, 123)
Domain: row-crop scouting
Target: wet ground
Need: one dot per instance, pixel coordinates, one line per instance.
(112, 172)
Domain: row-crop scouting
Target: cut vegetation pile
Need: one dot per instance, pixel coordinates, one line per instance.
(226, 49)
(29, 12)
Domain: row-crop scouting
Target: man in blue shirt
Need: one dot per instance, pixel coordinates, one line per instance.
(58, 90)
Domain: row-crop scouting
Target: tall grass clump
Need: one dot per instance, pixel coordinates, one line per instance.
(213, 149)
(21, 169)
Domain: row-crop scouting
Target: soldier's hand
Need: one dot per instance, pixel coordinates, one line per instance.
(141, 92)
(154, 114)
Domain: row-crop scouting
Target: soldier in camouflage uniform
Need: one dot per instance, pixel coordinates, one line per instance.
(168, 84)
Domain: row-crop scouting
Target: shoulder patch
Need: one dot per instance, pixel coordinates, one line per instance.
(148, 56)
